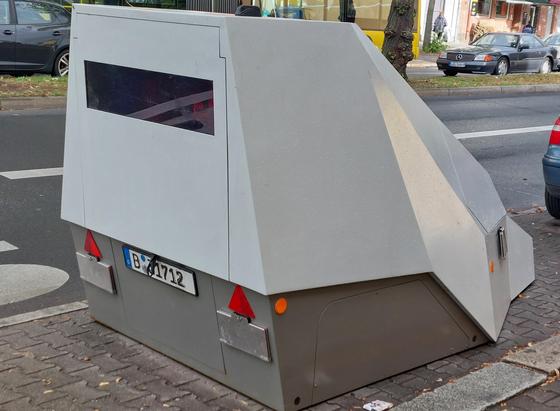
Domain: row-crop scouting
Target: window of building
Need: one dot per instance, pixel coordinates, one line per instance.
(368, 14)
(483, 8)
(169, 99)
(502, 8)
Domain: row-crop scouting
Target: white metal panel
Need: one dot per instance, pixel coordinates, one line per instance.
(72, 203)
(454, 241)
(330, 206)
(465, 175)
(520, 258)
(245, 262)
(160, 188)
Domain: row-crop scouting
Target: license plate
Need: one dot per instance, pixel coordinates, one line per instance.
(163, 271)
(456, 64)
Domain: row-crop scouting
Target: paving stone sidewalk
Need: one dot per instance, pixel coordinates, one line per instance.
(69, 362)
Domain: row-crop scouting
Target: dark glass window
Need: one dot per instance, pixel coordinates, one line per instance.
(551, 41)
(177, 101)
(483, 7)
(30, 12)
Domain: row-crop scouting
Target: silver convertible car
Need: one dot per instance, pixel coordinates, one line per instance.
(500, 53)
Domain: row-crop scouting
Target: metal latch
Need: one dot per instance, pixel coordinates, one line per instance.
(237, 332)
(502, 242)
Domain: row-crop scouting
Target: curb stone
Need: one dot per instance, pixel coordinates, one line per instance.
(477, 391)
(45, 312)
(489, 90)
(32, 103)
(542, 356)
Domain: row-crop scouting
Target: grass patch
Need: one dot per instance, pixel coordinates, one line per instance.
(48, 86)
(33, 86)
(480, 80)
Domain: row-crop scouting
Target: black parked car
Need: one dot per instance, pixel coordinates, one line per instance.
(500, 53)
(34, 37)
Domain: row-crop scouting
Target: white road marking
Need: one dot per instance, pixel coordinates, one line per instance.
(22, 281)
(6, 246)
(40, 172)
(504, 132)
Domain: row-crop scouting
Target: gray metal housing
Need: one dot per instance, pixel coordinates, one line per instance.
(327, 180)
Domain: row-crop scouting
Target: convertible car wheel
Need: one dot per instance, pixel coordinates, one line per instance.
(502, 67)
(546, 66)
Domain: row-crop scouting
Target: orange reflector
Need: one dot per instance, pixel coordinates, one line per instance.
(280, 306)
(491, 267)
(91, 246)
(239, 303)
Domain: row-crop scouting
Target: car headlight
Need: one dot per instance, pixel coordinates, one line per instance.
(442, 55)
(483, 57)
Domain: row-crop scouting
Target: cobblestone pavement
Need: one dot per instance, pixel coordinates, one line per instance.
(69, 362)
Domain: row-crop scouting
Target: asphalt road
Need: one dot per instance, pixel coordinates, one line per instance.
(513, 160)
(30, 207)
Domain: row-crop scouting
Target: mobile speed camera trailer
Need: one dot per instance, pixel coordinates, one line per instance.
(280, 212)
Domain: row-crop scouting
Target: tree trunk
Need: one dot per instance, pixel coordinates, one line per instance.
(429, 22)
(397, 46)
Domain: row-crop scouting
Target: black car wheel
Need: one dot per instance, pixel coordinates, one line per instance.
(450, 73)
(546, 66)
(502, 67)
(552, 204)
(61, 64)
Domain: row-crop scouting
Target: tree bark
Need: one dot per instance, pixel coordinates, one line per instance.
(429, 22)
(397, 46)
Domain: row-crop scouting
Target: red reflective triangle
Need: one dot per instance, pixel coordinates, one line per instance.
(91, 246)
(239, 303)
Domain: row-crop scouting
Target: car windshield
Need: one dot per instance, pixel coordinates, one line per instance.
(503, 40)
(552, 41)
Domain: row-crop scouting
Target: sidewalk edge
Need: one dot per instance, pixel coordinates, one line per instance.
(489, 90)
(32, 103)
(43, 313)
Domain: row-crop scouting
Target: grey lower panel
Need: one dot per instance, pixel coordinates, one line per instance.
(336, 339)
(329, 341)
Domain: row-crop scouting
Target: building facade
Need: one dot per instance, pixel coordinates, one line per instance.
(463, 16)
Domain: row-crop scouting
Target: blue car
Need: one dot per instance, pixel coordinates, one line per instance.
(551, 169)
